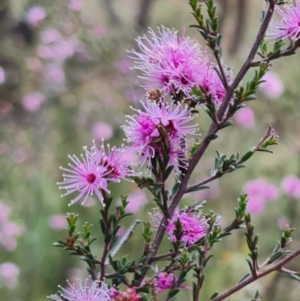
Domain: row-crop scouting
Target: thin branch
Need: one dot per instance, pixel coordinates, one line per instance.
(274, 57)
(276, 267)
(201, 269)
(221, 68)
(210, 179)
(247, 64)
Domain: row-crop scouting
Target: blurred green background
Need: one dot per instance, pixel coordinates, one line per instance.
(65, 80)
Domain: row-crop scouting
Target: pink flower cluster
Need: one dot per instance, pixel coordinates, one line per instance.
(9, 231)
(259, 192)
(176, 64)
(288, 25)
(159, 130)
(194, 227)
(84, 291)
(91, 174)
(291, 186)
(164, 281)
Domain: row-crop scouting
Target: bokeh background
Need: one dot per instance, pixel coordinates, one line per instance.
(65, 80)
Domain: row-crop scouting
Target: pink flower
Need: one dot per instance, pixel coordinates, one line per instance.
(85, 176)
(75, 5)
(164, 281)
(31, 102)
(209, 81)
(94, 292)
(137, 200)
(116, 166)
(54, 77)
(272, 86)
(255, 205)
(57, 222)
(101, 130)
(167, 61)
(244, 117)
(35, 15)
(9, 274)
(193, 227)
(91, 174)
(9, 231)
(288, 26)
(160, 130)
(177, 64)
(291, 186)
(2, 75)
(50, 35)
(259, 192)
(99, 31)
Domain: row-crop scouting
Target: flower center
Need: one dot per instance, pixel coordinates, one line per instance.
(91, 178)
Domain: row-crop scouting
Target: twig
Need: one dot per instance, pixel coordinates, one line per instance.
(201, 269)
(276, 267)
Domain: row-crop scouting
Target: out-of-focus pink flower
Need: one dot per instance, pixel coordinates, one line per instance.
(9, 274)
(35, 15)
(272, 87)
(283, 222)
(57, 221)
(54, 76)
(245, 117)
(31, 102)
(99, 31)
(259, 192)
(255, 205)
(2, 75)
(136, 200)
(9, 231)
(121, 232)
(58, 51)
(75, 5)
(101, 130)
(291, 186)
(50, 35)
